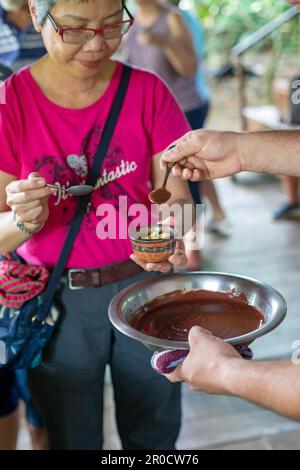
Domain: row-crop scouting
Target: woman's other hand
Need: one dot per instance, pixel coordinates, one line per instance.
(28, 199)
(177, 260)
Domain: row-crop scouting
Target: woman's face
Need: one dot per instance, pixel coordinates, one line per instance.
(84, 60)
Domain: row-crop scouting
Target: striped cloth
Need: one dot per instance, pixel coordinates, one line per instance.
(18, 48)
(20, 282)
(166, 362)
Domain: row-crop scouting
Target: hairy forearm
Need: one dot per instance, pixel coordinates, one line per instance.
(10, 236)
(273, 385)
(275, 152)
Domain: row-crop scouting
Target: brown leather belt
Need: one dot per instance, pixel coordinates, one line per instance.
(99, 277)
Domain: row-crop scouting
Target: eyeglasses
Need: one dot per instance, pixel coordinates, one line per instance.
(82, 35)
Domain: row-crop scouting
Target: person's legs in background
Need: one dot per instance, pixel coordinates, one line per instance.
(218, 223)
(9, 413)
(35, 425)
(209, 191)
(13, 388)
(292, 208)
(194, 256)
(9, 428)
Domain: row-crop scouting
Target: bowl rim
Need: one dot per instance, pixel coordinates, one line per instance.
(160, 240)
(160, 343)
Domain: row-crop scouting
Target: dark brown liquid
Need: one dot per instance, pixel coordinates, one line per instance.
(173, 315)
(159, 196)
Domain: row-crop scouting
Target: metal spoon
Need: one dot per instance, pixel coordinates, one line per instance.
(80, 190)
(162, 195)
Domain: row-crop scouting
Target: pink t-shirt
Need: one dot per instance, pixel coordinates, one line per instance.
(60, 143)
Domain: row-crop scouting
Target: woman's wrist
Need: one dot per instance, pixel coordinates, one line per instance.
(26, 227)
(33, 228)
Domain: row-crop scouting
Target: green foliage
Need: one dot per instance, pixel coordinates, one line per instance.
(229, 21)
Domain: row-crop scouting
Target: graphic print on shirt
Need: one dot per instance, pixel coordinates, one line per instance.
(72, 169)
(79, 164)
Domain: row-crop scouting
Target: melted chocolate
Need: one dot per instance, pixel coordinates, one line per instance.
(171, 316)
(159, 196)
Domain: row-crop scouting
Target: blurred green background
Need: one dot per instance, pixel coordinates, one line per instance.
(228, 21)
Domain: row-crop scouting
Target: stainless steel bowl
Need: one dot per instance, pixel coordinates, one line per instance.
(259, 295)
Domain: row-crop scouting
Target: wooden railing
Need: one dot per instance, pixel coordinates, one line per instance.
(264, 32)
(246, 44)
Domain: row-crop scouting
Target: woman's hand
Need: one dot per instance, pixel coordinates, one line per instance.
(177, 260)
(28, 199)
(201, 155)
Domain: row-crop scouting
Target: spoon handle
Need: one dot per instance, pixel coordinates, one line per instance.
(169, 168)
(167, 174)
(54, 186)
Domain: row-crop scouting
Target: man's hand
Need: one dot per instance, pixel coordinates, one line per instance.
(177, 260)
(204, 155)
(208, 363)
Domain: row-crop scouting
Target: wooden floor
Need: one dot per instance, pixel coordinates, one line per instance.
(265, 250)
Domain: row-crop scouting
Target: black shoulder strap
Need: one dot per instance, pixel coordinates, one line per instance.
(92, 179)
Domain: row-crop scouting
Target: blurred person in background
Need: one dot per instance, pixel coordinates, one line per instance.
(291, 208)
(13, 389)
(170, 42)
(20, 44)
(218, 223)
(4, 72)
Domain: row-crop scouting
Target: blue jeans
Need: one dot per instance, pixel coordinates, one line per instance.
(196, 119)
(13, 387)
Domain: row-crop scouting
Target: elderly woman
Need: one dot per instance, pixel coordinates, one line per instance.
(49, 130)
